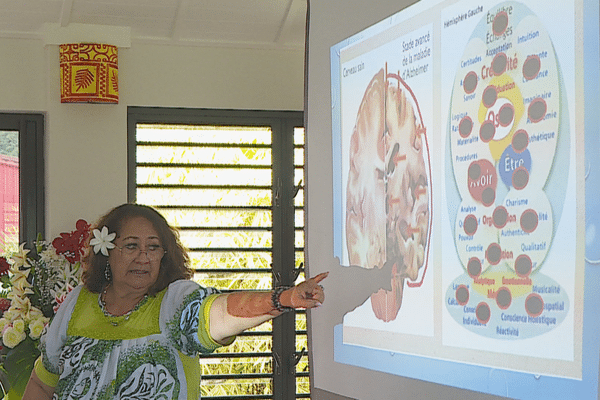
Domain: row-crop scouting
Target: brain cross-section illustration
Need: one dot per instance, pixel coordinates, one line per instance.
(388, 189)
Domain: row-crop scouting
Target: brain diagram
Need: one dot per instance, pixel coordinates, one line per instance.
(388, 196)
(507, 134)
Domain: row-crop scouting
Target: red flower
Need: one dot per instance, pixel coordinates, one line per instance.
(4, 304)
(59, 301)
(71, 244)
(4, 266)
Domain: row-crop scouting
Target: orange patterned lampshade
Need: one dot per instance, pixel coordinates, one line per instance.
(89, 73)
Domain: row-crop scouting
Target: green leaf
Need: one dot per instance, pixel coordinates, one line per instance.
(38, 243)
(250, 153)
(19, 363)
(4, 382)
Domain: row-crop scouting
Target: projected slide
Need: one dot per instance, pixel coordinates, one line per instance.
(456, 168)
(387, 180)
(465, 203)
(509, 150)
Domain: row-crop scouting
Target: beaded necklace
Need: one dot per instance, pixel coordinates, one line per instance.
(115, 320)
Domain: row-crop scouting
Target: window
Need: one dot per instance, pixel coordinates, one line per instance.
(21, 179)
(231, 181)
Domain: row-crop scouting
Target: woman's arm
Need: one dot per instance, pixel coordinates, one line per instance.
(233, 313)
(37, 390)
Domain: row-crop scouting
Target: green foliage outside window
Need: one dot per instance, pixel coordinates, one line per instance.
(9, 143)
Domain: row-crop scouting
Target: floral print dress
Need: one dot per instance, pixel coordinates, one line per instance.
(151, 355)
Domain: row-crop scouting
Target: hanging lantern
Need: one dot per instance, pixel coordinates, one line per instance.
(89, 73)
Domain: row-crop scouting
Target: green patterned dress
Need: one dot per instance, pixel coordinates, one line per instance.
(151, 355)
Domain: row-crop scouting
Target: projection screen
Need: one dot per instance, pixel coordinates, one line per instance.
(452, 193)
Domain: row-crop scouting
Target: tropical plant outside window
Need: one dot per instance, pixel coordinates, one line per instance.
(220, 186)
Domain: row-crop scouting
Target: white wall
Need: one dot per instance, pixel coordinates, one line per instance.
(86, 144)
(22, 83)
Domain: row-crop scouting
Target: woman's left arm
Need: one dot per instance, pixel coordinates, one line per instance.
(235, 312)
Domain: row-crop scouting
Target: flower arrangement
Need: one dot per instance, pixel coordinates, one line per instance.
(35, 284)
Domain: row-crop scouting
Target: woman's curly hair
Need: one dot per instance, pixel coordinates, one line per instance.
(173, 266)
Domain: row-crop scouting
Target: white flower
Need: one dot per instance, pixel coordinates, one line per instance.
(68, 277)
(12, 337)
(35, 313)
(19, 292)
(3, 323)
(9, 315)
(20, 306)
(49, 256)
(20, 258)
(19, 280)
(19, 325)
(36, 328)
(102, 241)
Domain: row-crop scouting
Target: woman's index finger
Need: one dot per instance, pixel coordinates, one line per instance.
(320, 277)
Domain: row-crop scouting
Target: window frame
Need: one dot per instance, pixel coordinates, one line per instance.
(284, 351)
(31, 172)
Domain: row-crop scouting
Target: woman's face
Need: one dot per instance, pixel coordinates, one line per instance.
(135, 262)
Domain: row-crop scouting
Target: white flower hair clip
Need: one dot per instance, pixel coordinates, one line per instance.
(102, 241)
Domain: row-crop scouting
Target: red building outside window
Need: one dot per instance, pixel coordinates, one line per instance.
(9, 189)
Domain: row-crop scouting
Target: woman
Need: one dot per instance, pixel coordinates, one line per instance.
(136, 325)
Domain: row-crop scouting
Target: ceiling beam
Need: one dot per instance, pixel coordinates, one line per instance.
(119, 36)
(65, 12)
(285, 21)
(175, 33)
(295, 10)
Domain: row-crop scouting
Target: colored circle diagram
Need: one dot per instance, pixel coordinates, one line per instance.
(509, 137)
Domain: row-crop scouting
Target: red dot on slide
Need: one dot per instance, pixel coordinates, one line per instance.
(499, 64)
(500, 23)
(531, 67)
(488, 196)
(470, 82)
(490, 95)
(529, 221)
(503, 298)
(537, 110)
(462, 295)
(520, 141)
(465, 126)
(523, 265)
(470, 224)
(506, 114)
(487, 131)
(483, 313)
(493, 253)
(534, 305)
(500, 217)
(474, 267)
(520, 178)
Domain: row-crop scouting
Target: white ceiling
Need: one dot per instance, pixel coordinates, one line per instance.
(277, 24)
